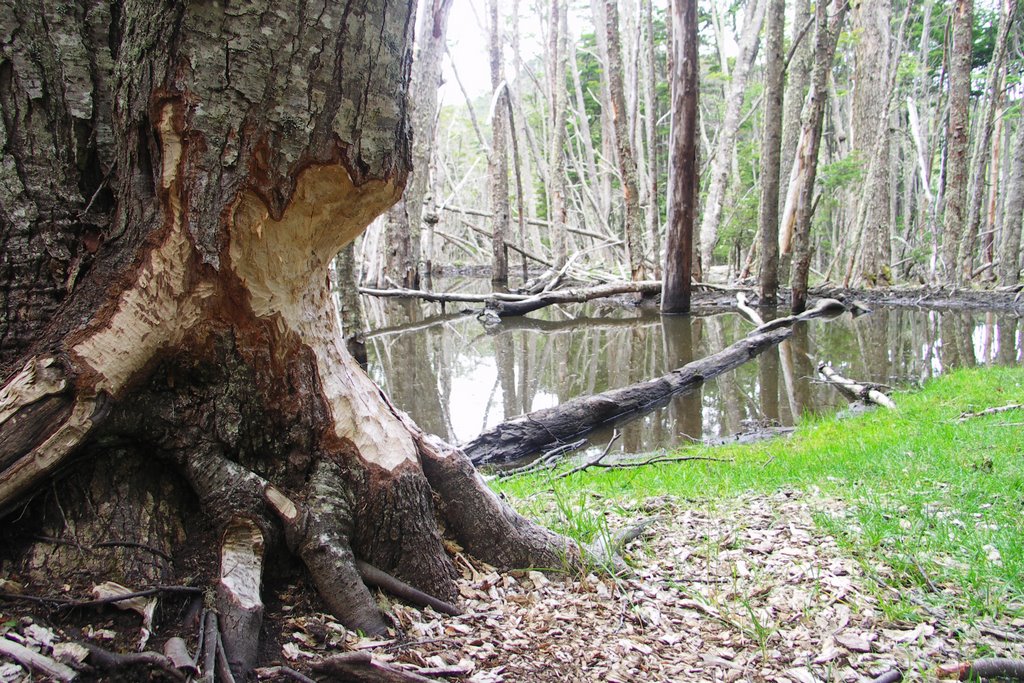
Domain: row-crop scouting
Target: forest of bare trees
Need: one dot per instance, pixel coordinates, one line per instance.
(856, 144)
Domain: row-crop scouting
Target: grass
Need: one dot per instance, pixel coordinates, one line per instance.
(932, 504)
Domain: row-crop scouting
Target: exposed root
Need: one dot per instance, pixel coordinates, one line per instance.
(238, 594)
(112, 661)
(360, 667)
(380, 579)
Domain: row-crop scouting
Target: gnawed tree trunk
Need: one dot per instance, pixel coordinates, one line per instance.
(168, 229)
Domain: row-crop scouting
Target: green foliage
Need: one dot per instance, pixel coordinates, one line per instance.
(933, 500)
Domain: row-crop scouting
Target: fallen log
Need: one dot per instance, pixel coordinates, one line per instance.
(503, 308)
(854, 391)
(544, 429)
(991, 667)
(39, 663)
(547, 428)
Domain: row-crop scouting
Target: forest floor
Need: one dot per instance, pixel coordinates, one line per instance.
(889, 540)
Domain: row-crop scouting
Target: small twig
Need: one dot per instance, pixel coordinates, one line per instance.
(372, 576)
(593, 461)
(291, 673)
(546, 461)
(659, 459)
(989, 411)
(1001, 635)
(920, 570)
(128, 596)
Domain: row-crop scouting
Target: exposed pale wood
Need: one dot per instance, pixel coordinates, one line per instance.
(754, 316)
(238, 593)
(853, 390)
(31, 659)
(176, 650)
(505, 309)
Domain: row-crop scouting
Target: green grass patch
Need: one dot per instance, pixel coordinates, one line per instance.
(934, 506)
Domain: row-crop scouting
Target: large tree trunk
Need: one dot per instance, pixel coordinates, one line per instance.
(683, 173)
(1009, 246)
(168, 229)
(718, 184)
(955, 217)
(771, 146)
(796, 221)
(635, 242)
(871, 97)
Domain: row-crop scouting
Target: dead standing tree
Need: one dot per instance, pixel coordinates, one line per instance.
(168, 229)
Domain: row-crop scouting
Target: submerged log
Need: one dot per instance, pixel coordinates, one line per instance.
(542, 429)
(505, 309)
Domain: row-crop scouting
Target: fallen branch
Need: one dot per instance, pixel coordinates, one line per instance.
(545, 461)
(822, 308)
(741, 304)
(504, 308)
(441, 297)
(853, 390)
(111, 661)
(605, 549)
(593, 461)
(990, 411)
(994, 667)
(287, 671)
(360, 667)
(380, 579)
(540, 430)
(32, 660)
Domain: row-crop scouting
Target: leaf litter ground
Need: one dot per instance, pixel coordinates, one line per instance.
(749, 589)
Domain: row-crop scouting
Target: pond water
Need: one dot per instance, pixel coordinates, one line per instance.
(456, 378)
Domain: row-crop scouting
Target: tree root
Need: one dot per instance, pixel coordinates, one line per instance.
(112, 661)
(992, 667)
(360, 667)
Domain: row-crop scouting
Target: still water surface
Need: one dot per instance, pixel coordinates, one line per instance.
(456, 378)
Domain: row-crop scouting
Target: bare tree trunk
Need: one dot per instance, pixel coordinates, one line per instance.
(724, 150)
(683, 174)
(190, 359)
(1009, 246)
(983, 142)
(497, 165)
(955, 218)
(806, 165)
(635, 242)
(871, 94)
(771, 145)
(557, 47)
(651, 129)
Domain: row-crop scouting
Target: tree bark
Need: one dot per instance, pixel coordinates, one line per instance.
(1013, 214)
(725, 149)
(497, 163)
(635, 242)
(683, 175)
(771, 148)
(871, 97)
(983, 143)
(557, 49)
(801, 192)
(955, 218)
(176, 223)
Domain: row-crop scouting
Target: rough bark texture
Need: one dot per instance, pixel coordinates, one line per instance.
(1013, 213)
(497, 164)
(806, 166)
(955, 218)
(635, 242)
(167, 318)
(683, 175)
(718, 184)
(870, 104)
(771, 148)
(550, 427)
